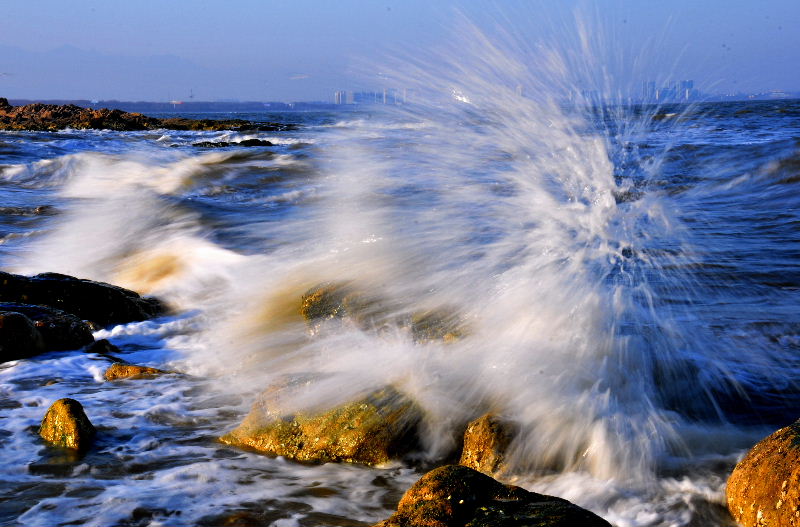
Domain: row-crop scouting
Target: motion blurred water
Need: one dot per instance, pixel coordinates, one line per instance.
(625, 277)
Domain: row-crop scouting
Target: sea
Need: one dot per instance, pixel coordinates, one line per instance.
(625, 278)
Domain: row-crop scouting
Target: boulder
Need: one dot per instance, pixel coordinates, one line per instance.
(764, 488)
(454, 495)
(59, 330)
(98, 302)
(486, 441)
(372, 430)
(19, 338)
(119, 370)
(67, 426)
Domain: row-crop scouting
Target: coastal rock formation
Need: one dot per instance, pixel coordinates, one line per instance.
(59, 330)
(119, 370)
(19, 338)
(49, 117)
(454, 495)
(372, 430)
(97, 302)
(67, 426)
(486, 441)
(764, 488)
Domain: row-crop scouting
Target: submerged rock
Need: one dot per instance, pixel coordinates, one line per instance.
(436, 324)
(454, 495)
(98, 302)
(67, 426)
(486, 441)
(372, 430)
(764, 488)
(119, 370)
(225, 144)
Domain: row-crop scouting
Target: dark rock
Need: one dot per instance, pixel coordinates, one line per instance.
(254, 142)
(101, 303)
(225, 144)
(67, 426)
(454, 496)
(764, 488)
(486, 441)
(59, 330)
(102, 347)
(130, 371)
(19, 338)
(373, 430)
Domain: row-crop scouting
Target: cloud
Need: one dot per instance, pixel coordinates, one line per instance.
(299, 76)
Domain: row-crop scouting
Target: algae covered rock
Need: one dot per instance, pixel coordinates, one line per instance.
(67, 426)
(486, 441)
(119, 370)
(454, 496)
(372, 430)
(764, 488)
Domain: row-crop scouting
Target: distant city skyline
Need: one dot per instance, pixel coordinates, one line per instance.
(308, 50)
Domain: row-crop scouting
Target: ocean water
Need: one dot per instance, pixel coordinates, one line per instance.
(626, 277)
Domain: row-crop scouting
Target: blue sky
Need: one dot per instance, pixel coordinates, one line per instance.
(304, 49)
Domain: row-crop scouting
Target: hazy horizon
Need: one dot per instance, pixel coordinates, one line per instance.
(306, 50)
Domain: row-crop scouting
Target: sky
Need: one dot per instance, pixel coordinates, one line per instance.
(304, 50)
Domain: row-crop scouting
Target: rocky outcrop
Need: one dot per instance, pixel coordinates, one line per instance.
(100, 303)
(372, 430)
(764, 488)
(19, 338)
(119, 371)
(486, 441)
(45, 117)
(59, 330)
(66, 425)
(454, 495)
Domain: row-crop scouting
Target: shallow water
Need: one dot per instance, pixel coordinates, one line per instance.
(626, 285)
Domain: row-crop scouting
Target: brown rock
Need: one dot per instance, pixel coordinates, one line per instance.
(130, 371)
(764, 488)
(66, 425)
(373, 430)
(436, 324)
(454, 496)
(486, 441)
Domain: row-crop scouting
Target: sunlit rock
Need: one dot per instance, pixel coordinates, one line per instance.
(454, 496)
(67, 426)
(372, 430)
(119, 371)
(764, 488)
(486, 442)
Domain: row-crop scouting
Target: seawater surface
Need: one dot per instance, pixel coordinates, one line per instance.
(626, 276)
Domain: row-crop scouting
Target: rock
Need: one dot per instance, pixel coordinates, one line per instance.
(486, 441)
(101, 303)
(225, 144)
(102, 347)
(59, 330)
(19, 338)
(454, 495)
(341, 300)
(373, 430)
(436, 324)
(130, 371)
(764, 488)
(66, 425)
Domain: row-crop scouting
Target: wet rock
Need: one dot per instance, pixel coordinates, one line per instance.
(98, 302)
(764, 488)
(38, 116)
(436, 324)
(224, 144)
(373, 430)
(67, 426)
(59, 330)
(486, 441)
(454, 495)
(130, 371)
(19, 338)
(102, 347)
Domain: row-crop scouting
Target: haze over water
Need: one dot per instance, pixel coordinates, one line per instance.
(625, 277)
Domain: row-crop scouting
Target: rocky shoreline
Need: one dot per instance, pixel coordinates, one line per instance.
(53, 312)
(52, 117)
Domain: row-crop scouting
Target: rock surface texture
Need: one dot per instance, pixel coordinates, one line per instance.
(45, 117)
(373, 430)
(454, 496)
(130, 371)
(486, 441)
(764, 488)
(67, 426)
